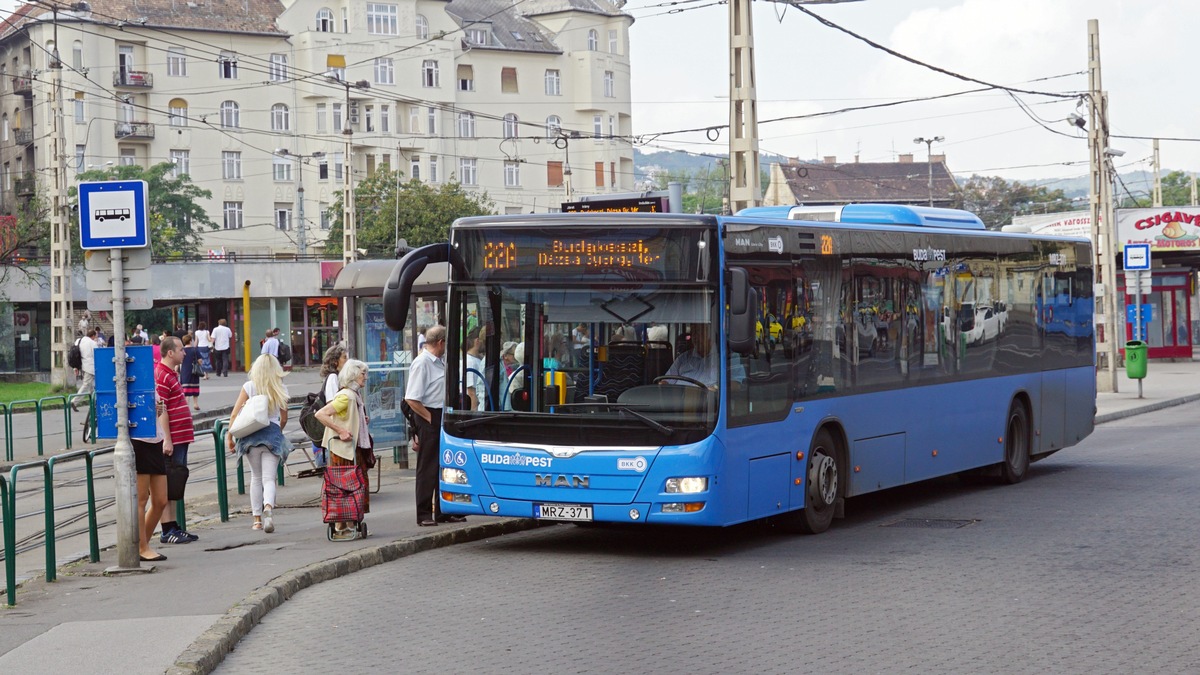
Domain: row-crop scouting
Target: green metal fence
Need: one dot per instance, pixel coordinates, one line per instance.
(40, 406)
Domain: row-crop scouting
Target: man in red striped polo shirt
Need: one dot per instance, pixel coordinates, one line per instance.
(179, 432)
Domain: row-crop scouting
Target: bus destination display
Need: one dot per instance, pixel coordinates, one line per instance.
(572, 253)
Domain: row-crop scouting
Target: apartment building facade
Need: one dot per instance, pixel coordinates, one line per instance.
(528, 102)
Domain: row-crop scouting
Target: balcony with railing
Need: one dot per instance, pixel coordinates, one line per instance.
(133, 131)
(133, 78)
(25, 185)
(23, 136)
(22, 84)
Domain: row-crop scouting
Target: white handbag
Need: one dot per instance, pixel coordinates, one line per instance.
(252, 417)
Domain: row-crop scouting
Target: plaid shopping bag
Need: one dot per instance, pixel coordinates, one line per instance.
(344, 493)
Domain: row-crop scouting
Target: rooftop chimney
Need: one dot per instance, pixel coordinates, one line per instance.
(938, 158)
(906, 158)
(830, 159)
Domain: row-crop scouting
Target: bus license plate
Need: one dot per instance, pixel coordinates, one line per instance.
(564, 512)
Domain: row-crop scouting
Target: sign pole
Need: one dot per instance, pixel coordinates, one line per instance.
(1137, 315)
(129, 520)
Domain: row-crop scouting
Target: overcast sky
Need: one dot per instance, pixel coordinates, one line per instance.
(680, 66)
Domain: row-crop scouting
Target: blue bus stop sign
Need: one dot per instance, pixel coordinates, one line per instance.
(113, 214)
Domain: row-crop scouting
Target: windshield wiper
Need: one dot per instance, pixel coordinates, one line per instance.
(623, 408)
(483, 419)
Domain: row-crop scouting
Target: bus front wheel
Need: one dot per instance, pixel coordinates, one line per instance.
(1016, 445)
(822, 485)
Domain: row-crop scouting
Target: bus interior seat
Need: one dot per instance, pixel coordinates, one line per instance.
(659, 357)
(624, 369)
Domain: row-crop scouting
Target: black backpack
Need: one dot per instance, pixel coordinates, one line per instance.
(285, 353)
(308, 416)
(75, 356)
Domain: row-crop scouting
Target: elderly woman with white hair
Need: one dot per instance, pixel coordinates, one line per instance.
(346, 416)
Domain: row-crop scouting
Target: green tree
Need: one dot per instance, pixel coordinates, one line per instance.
(1176, 191)
(422, 213)
(25, 240)
(176, 219)
(996, 200)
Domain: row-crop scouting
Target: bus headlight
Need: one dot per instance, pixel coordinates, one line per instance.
(455, 476)
(687, 486)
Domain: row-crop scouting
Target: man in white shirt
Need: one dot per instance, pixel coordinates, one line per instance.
(222, 339)
(425, 393)
(87, 373)
(270, 344)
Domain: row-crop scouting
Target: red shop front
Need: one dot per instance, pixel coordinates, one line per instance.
(1169, 334)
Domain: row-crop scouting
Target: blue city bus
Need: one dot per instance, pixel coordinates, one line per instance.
(704, 370)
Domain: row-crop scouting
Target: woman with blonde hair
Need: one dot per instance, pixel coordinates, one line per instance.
(264, 449)
(348, 441)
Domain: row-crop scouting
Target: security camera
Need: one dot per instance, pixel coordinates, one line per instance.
(1113, 152)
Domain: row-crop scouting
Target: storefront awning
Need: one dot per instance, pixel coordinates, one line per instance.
(367, 278)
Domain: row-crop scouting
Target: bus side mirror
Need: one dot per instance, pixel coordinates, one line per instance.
(742, 302)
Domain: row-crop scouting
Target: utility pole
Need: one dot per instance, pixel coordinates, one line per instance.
(744, 189)
(929, 155)
(1103, 227)
(1157, 197)
(1193, 189)
(60, 235)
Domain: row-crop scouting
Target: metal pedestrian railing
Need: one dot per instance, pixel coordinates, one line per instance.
(218, 432)
(8, 510)
(40, 406)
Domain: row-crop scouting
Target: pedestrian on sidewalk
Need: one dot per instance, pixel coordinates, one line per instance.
(222, 341)
(189, 372)
(178, 433)
(204, 344)
(270, 344)
(266, 448)
(426, 394)
(335, 357)
(348, 439)
(151, 466)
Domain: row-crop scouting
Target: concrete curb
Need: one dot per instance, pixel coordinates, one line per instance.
(1148, 408)
(208, 650)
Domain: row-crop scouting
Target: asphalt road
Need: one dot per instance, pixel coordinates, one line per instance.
(1092, 565)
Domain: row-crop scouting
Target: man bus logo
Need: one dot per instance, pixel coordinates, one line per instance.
(548, 480)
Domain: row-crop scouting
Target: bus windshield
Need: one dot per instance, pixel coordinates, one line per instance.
(583, 365)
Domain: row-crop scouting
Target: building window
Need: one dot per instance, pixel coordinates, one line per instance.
(182, 161)
(554, 174)
(369, 117)
(477, 36)
(466, 78)
(231, 165)
(338, 73)
(177, 112)
(280, 117)
(283, 217)
(597, 127)
(593, 40)
(176, 62)
(322, 117)
(385, 70)
(512, 174)
(508, 80)
(612, 127)
(233, 215)
(385, 119)
(414, 120)
(278, 69)
(553, 126)
(77, 55)
(281, 169)
(227, 66)
(612, 42)
(4, 136)
(422, 28)
(324, 21)
(345, 20)
(432, 121)
(338, 166)
(433, 169)
(612, 174)
(466, 125)
(466, 171)
(382, 19)
(599, 174)
(230, 115)
(553, 83)
(610, 87)
(326, 219)
(429, 74)
(337, 117)
(80, 117)
(80, 156)
(414, 167)
(511, 125)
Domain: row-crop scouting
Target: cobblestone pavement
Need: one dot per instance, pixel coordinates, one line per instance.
(1090, 565)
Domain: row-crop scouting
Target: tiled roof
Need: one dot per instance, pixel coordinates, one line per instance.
(510, 27)
(241, 16)
(893, 182)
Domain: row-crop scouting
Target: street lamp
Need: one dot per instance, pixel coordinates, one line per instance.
(929, 154)
(301, 230)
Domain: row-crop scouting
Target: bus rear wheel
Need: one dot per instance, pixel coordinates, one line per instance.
(1016, 445)
(822, 485)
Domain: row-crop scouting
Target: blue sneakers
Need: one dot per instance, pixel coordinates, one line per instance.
(175, 537)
